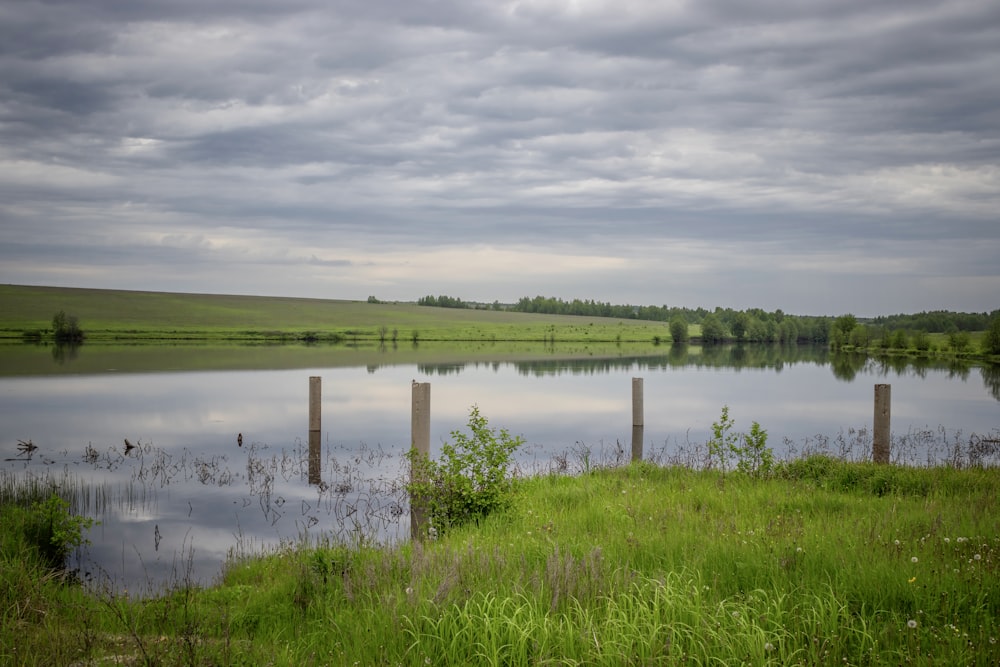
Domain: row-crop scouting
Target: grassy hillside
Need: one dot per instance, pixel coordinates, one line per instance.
(121, 314)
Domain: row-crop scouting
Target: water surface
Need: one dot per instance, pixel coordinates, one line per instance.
(187, 495)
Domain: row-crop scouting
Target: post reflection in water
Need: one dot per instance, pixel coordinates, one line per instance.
(185, 488)
(315, 428)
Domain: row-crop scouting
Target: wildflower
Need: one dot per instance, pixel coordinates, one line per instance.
(768, 646)
(947, 540)
(977, 557)
(913, 560)
(896, 542)
(409, 590)
(911, 624)
(912, 579)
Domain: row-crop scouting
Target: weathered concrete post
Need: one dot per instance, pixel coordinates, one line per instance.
(420, 436)
(315, 429)
(880, 433)
(638, 425)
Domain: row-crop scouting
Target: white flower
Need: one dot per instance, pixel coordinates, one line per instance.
(947, 540)
(911, 624)
(896, 542)
(913, 560)
(977, 557)
(768, 646)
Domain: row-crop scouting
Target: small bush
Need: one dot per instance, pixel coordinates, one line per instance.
(750, 450)
(66, 328)
(471, 479)
(51, 531)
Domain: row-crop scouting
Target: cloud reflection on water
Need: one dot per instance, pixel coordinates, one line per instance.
(191, 485)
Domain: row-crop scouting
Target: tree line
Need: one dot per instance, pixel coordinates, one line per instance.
(758, 325)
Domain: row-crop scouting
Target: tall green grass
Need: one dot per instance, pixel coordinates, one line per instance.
(825, 563)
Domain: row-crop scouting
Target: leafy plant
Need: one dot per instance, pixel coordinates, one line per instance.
(750, 450)
(54, 531)
(470, 480)
(754, 456)
(723, 441)
(66, 328)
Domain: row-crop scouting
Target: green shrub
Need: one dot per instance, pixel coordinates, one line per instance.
(750, 450)
(49, 530)
(66, 328)
(814, 468)
(470, 480)
(991, 340)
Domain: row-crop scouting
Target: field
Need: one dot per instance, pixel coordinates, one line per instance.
(824, 563)
(108, 315)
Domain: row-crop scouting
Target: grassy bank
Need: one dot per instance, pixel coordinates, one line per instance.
(825, 563)
(108, 315)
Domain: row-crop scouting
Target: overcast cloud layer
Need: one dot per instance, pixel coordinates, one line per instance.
(821, 157)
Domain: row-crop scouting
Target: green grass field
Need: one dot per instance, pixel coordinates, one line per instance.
(117, 315)
(825, 563)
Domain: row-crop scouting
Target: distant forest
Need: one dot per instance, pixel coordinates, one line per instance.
(752, 324)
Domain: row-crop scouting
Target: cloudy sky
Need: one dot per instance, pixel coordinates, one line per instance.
(820, 157)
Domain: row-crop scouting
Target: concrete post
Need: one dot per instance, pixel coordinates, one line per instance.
(315, 428)
(880, 432)
(420, 436)
(638, 424)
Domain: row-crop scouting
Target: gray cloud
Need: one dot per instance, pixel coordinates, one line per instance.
(631, 151)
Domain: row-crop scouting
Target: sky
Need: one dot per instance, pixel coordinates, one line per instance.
(822, 157)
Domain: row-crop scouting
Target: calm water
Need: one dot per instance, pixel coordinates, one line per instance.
(187, 495)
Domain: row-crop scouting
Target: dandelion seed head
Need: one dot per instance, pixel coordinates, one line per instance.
(896, 542)
(768, 646)
(977, 557)
(914, 559)
(911, 624)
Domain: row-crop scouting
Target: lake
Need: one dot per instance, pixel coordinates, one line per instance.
(186, 496)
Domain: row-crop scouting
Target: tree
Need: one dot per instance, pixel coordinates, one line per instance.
(860, 336)
(740, 325)
(845, 325)
(66, 328)
(788, 331)
(899, 340)
(711, 329)
(991, 341)
(679, 329)
(959, 341)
